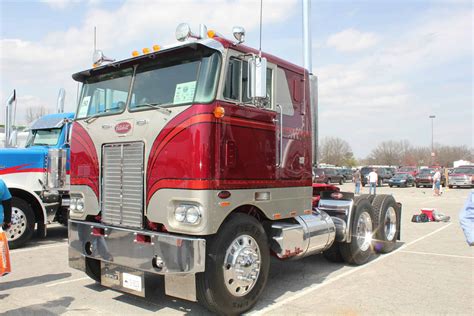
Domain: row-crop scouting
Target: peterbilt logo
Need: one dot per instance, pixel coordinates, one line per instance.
(123, 127)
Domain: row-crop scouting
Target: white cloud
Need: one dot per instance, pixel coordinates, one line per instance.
(352, 40)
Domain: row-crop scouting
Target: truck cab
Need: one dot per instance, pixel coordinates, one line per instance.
(37, 177)
(194, 161)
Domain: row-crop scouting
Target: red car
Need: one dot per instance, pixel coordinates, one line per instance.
(409, 169)
(320, 187)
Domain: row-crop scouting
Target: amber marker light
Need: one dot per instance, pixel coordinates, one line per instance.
(224, 204)
(146, 50)
(135, 53)
(211, 33)
(219, 112)
(277, 216)
(156, 48)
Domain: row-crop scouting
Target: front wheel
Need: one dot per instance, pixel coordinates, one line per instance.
(341, 181)
(237, 265)
(359, 249)
(23, 223)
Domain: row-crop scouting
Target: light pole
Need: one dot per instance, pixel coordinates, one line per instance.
(432, 117)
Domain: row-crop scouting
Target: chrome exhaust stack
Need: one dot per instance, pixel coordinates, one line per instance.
(9, 118)
(311, 234)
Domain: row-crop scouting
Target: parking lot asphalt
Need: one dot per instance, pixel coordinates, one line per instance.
(430, 272)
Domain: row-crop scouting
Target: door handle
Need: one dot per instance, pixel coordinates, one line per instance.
(280, 135)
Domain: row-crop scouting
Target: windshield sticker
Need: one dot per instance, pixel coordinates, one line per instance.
(184, 92)
(84, 107)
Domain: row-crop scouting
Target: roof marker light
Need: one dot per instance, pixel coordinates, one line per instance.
(146, 50)
(135, 53)
(211, 34)
(156, 48)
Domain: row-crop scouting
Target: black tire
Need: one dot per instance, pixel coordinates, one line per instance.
(93, 269)
(450, 186)
(212, 292)
(417, 185)
(390, 185)
(333, 254)
(351, 252)
(28, 225)
(370, 197)
(341, 181)
(381, 204)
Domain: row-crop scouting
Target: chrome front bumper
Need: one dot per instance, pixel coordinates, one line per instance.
(146, 251)
(458, 181)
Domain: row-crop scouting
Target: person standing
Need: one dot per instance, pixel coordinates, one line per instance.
(356, 178)
(373, 179)
(466, 219)
(437, 182)
(5, 206)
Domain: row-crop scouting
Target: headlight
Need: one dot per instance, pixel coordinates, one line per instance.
(403, 180)
(187, 213)
(73, 205)
(180, 213)
(80, 204)
(193, 215)
(77, 204)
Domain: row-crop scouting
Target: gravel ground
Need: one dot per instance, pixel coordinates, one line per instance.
(430, 272)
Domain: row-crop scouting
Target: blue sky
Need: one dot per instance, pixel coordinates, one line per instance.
(383, 66)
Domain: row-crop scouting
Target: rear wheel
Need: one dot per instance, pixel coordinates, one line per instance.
(385, 223)
(359, 250)
(237, 265)
(23, 223)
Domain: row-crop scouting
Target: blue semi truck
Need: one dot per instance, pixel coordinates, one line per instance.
(38, 178)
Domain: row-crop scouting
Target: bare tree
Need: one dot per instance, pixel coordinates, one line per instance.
(336, 151)
(35, 112)
(389, 152)
(402, 153)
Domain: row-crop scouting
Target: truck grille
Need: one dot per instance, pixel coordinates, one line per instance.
(122, 184)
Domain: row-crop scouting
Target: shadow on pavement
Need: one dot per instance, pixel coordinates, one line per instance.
(31, 281)
(50, 308)
(285, 278)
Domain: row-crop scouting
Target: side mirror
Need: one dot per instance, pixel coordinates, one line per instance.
(98, 58)
(239, 34)
(257, 77)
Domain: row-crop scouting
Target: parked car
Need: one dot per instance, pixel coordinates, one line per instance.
(383, 175)
(425, 178)
(327, 175)
(392, 170)
(462, 176)
(402, 180)
(409, 169)
(346, 174)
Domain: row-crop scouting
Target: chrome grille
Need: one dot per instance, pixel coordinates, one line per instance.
(122, 184)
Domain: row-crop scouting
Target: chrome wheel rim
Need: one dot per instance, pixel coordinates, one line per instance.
(19, 223)
(390, 223)
(364, 231)
(241, 265)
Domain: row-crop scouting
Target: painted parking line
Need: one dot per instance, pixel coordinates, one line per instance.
(38, 248)
(437, 254)
(68, 281)
(309, 289)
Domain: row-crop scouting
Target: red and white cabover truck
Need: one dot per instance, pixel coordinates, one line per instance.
(194, 162)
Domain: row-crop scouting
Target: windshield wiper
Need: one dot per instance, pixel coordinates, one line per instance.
(93, 117)
(156, 106)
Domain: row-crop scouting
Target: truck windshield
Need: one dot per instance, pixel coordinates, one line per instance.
(43, 137)
(185, 77)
